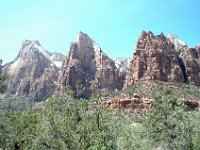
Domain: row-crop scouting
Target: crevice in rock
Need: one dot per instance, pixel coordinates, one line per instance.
(183, 69)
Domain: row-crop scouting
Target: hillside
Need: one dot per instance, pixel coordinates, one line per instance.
(67, 123)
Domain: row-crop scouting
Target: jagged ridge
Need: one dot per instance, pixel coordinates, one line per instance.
(88, 67)
(32, 74)
(165, 59)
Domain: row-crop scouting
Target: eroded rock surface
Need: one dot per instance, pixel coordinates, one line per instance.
(164, 59)
(87, 68)
(32, 74)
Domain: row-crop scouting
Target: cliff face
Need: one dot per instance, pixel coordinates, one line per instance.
(87, 68)
(189, 59)
(57, 58)
(122, 64)
(164, 59)
(32, 74)
(37, 73)
(191, 64)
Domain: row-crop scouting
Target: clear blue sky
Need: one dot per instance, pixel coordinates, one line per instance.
(114, 24)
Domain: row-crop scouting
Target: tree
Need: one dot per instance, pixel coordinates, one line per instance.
(3, 87)
(169, 124)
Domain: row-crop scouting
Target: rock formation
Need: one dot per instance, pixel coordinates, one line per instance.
(57, 58)
(178, 44)
(122, 64)
(190, 64)
(87, 68)
(164, 59)
(37, 73)
(137, 102)
(33, 73)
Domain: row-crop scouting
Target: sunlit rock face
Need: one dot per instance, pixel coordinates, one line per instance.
(122, 64)
(33, 73)
(57, 58)
(87, 68)
(164, 59)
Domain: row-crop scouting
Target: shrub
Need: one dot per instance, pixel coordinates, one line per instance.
(169, 124)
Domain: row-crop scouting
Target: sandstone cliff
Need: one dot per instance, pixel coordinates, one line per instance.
(32, 74)
(87, 68)
(57, 58)
(122, 64)
(164, 59)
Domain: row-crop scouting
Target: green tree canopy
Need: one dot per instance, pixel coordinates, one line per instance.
(3, 87)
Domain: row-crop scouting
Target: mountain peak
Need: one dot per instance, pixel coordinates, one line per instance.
(171, 35)
(29, 43)
(179, 44)
(82, 36)
(145, 34)
(34, 72)
(87, 64)
(30, 46)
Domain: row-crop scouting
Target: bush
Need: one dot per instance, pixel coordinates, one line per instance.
(3, 87)
(65, 123)
(169, 124)
(68, 123)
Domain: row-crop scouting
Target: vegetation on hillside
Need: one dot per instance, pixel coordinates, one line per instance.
(3, 87)
(64, 122)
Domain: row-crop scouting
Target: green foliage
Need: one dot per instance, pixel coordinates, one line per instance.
(3, 87)
(7, 104)
(64, 122)
(169, 124)
(68, 91)
(150, 89)
(79, 89)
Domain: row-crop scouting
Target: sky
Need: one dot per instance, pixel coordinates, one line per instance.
(114, 24)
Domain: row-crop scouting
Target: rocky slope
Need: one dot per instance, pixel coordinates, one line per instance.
(122, 64)
(87, 68)
(33, 73)
(178, 44)
(57, 58)
(164, 59)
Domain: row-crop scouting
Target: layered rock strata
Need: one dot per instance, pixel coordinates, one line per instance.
(32, 74)
(87, 68)
(164, 59)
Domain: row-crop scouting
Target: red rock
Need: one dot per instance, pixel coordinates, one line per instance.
(192, 104)
(87, 67)
(164, 59)
(143, 103)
